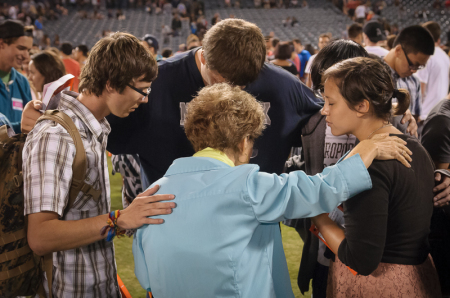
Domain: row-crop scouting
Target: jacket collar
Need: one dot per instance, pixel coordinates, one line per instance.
(195, 164)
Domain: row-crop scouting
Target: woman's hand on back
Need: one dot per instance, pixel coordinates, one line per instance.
(391, 148)
(382, 147)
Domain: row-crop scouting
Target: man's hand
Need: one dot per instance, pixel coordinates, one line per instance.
(442, 191)
(144, 205)
(412, 125)
(30, 115)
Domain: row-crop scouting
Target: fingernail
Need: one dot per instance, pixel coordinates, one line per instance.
(435, 204)
(172, 197)
(173, 205)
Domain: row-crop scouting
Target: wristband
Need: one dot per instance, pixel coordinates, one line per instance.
(111, 226)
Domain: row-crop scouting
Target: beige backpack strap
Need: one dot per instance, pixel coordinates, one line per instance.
(79, 163)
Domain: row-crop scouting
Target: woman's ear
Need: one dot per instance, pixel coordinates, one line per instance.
(362, 108)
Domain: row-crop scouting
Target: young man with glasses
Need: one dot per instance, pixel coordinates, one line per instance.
(411, 50)
(116, 80)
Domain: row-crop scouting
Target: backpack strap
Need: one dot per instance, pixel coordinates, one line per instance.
(79, 172)
(79, 163)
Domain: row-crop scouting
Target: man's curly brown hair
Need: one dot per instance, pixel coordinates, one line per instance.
(221, 116)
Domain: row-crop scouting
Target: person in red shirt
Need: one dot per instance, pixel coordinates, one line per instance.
(71, 65)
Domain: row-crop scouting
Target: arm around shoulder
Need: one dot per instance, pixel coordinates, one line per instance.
(297, 195)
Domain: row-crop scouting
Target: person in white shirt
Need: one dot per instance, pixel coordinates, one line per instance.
(360, 13)
(373, 33)
(434, 78)
(324, 39)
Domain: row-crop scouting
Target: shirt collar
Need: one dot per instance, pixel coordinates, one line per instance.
(195, 164)
(70, 102)
(216, 154)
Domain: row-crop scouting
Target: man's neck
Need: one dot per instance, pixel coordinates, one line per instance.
(5, 68)
(390, 59)
(95, 104)
(371, 44)
(64, 56)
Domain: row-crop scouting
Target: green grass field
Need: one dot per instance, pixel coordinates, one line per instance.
(124, 257)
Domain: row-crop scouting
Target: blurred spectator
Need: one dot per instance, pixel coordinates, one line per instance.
(181, 48)
(176, 25)
(192, 42)
(72, 66)
(56, 42)
(324, 39)
(373, 35)
(166, 53)
(45, 42)
(310, 49)
(13, 11)
(80, 54)
(269, 47)
(215, 19)
(283, 53)
(303, 55)
(355, 33)
(390, 41)
(360, 13)
(119, 15)
(151, 44)
(38, 28)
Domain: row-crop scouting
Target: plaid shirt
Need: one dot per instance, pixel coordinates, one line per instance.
(88, 271)
(412, 84)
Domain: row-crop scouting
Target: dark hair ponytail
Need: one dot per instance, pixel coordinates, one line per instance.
(403, 99)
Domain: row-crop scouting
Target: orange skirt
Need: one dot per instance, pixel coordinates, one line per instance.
(388, 280)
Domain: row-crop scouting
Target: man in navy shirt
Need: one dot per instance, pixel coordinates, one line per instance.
(233, 51)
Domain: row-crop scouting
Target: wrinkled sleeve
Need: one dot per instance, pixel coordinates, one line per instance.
(47, 169)
(363, 246)
(296, 195)
(140, 266)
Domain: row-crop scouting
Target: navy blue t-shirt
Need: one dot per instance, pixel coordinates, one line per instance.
(155, 130)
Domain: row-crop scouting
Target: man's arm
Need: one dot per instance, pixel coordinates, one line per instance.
(436, 140)
(46, 233)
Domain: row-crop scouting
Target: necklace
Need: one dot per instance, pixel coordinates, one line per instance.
(379, 129)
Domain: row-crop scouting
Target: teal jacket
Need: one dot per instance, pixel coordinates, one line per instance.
(14, 97)
(223, 238)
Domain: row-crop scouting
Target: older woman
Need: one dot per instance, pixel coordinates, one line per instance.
(223, 239)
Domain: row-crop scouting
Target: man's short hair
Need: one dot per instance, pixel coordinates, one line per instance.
(296, 40)
(66, 48)
(166, 53)
(11, 30)
(275, 42)
(236, 49)
(415, 39)
(334, 52)
(325, 35)
(283, 51)
(117, 59)
(221, 116)
(83, 49)
(434, 29)
(355, 30)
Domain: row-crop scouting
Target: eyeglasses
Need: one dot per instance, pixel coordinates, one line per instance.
(410, 64)
(140, 91)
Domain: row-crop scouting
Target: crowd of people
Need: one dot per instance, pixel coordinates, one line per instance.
(220, 142)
